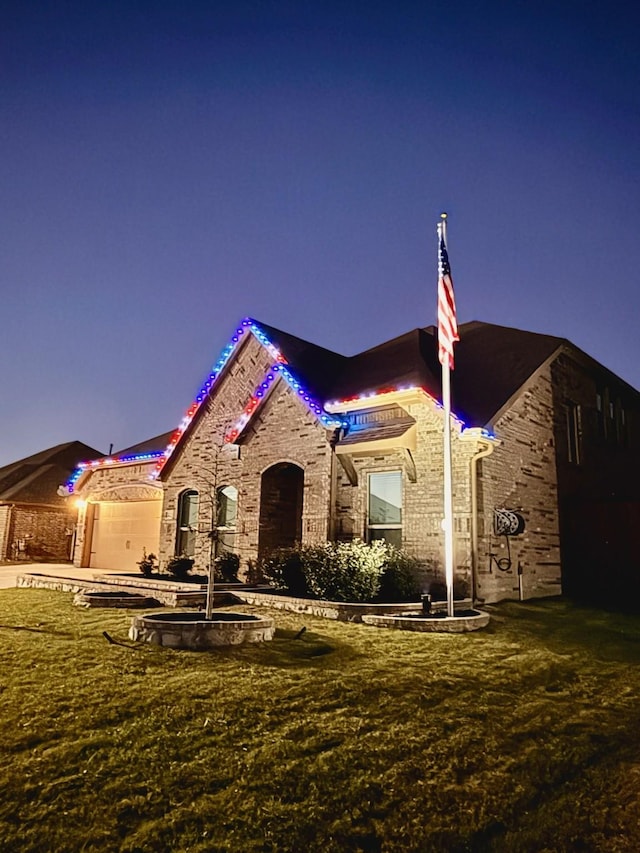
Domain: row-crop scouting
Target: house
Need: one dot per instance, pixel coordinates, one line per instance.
(290, 442)
(36, 522)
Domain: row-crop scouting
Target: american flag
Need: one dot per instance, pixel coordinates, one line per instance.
(447, 323)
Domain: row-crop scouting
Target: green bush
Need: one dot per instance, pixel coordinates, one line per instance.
(344, 571)
(461, 590)
(226, 567)
(147, 564)
(180, 566)
(338, 571)
(403, 577)
(253, 573)
(283, 570)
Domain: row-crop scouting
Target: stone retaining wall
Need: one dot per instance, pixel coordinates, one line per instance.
(202, 634)
(339, 610)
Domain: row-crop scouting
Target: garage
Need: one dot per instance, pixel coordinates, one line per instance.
(121, 530)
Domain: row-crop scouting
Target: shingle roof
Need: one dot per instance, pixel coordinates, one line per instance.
(151, 445)
(315, 364)
(35, 479)
(491, 364)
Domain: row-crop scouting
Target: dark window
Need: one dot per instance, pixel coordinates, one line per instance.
(600, 419)
(573, 433)
(621, 425)
(187, 523)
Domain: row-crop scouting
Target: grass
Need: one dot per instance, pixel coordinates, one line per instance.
(521, 737)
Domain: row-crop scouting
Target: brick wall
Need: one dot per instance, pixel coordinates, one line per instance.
(282, 430)
(520, 475)
(45, 532)
(423, 502)
(598, 486)
(204, 463)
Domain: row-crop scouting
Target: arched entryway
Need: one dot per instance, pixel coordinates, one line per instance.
(281, 497)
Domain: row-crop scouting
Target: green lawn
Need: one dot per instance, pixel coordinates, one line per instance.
(521, 737)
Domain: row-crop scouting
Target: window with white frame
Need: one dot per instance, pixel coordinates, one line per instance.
(384, 517)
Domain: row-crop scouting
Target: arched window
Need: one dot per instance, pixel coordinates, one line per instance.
(227, 503)
(187, 523)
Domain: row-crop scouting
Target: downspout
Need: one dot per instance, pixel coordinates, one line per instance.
(486, 450)
(333, 486)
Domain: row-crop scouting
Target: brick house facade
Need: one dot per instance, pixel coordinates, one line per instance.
(36, 522)
(290, 442)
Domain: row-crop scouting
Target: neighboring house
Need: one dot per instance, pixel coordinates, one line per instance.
(289, 442)
(36, 522)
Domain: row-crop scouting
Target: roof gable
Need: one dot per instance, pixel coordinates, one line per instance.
(317, 362)
(35, 479)
(491, 364)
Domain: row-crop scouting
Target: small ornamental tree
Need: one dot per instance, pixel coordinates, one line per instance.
(147, 564)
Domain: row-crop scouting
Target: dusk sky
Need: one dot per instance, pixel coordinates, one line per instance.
(170, 168)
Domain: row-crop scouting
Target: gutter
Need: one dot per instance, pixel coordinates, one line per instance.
(487, 447)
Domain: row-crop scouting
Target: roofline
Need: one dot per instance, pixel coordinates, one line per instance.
(280, 366)
(522, 388)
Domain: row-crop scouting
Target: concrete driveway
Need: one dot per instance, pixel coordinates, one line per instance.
(9, 573)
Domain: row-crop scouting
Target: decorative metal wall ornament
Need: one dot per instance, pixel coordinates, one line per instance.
(506, 522)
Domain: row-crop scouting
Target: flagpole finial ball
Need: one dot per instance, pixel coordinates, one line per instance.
(443, 215)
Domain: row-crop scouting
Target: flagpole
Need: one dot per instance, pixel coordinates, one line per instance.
(448, 484)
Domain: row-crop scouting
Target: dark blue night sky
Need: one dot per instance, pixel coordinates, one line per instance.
(169, 168)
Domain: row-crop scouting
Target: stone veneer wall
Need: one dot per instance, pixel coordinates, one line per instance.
(422, 533)
(285, 431)
(520, 475)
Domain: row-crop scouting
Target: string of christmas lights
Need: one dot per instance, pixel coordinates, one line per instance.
(248, 326)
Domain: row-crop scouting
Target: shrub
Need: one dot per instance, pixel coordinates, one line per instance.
(226, 567)
(147, 564)
(438, 590)
(403, 577)
(253, 573)
(180, 566)
(338, 571)
(283, 570)
(344, 571)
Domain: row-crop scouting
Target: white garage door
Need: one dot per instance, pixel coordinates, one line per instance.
(121, 531)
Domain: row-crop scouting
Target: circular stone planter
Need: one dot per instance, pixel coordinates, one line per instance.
(461, 622)
(93, 598)
(192, 630)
